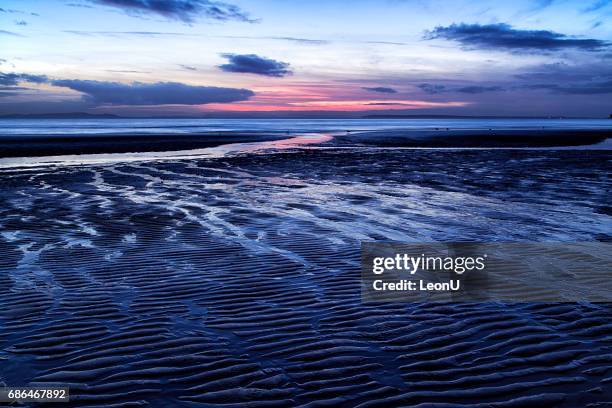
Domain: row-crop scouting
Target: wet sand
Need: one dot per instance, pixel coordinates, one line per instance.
(51, 145)
(478, 137)
(229, 281)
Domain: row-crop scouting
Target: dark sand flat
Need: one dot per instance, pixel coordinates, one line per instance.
(52, 145)
(478, 137)
(235, 281)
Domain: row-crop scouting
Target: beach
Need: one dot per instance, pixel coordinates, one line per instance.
(311, 204)
(48, 137)
(234, 279)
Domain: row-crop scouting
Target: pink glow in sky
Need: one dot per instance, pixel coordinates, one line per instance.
(463, 57)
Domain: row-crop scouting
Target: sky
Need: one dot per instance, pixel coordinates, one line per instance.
(200, 57)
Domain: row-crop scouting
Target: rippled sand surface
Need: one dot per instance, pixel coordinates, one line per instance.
(235, 280)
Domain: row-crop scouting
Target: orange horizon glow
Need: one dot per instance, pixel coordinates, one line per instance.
(322, 97)
(349, 106)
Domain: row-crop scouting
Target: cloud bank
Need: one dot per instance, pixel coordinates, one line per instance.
(593, 78)
(476, 89)
(380, 89)
(183, 10)
(433, 89)
(159, 93)
(13, 78)
(254, 64)
(591, 88)
(136, 93)
(505, 37)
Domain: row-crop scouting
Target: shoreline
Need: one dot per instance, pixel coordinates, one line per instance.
(16, 146)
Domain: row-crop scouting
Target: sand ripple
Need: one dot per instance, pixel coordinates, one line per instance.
(229, 281)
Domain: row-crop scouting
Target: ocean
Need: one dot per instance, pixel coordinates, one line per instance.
(83, 127)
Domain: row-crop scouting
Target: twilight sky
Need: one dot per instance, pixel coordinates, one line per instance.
(154, 57)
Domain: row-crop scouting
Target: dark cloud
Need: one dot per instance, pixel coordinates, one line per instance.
(591, 88)
(188, 67)
(433, 89)
(159, 93)
(561, 71)
(594, 78)
(136, 93)
(380, 89)
(183, 10)
(254, 64)
(475, 89)
(13, 78)
(504, 37)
